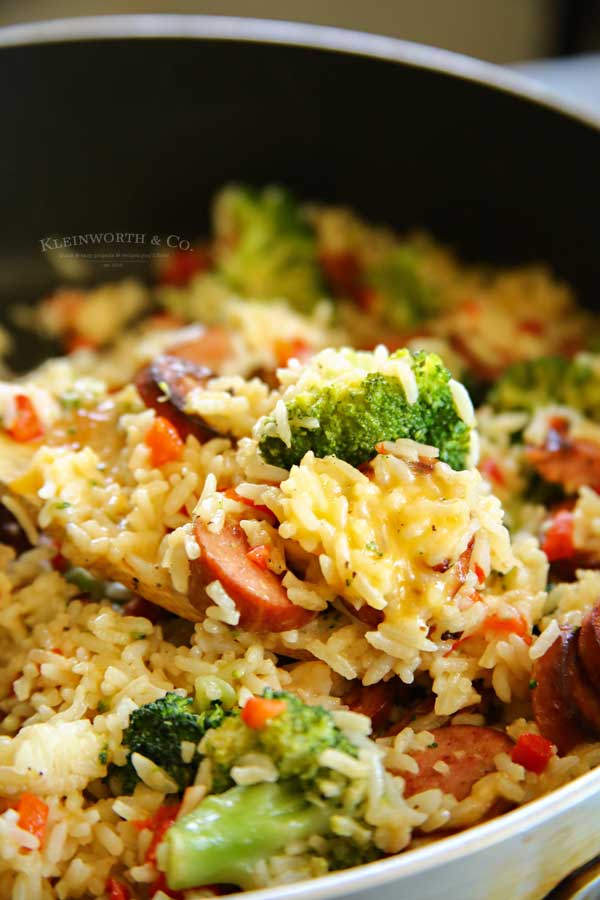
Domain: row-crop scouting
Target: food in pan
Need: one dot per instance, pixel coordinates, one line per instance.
(275, 600)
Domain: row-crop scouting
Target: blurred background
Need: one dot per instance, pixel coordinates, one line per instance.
(503, 31)
(555, 41)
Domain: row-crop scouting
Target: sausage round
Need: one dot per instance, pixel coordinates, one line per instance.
(572, 463)
(258, 594)
(374, 700)
(588, 644)
(467, 750)
(555, 712)
(164, 385)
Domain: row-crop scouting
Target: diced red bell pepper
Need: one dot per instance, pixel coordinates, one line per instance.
(232, 494)
(116, 890)
(181, 265)
(492, 470)
(510, 625)
(161, 885)
(260, 556)
(558, 541)
(26, 425)
(342, 272)
(533, 752)
(158, 824)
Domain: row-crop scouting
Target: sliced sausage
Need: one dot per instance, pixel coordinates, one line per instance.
(555, 712)
(588, 644)
(566, 569)
(258, 594)
(374, 700)
(209, 347)
(577, 686)
(164, 386)
(366, 614)
(569, 462)
(421, 707)
(468, 751)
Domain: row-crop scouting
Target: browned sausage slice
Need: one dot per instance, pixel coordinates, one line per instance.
(588, 645)
(366, 614)
(258, 593)
(572, 463)
(164, 385)
(374, 700)
(467, 750)
(577, 686)
(421, 707)
(555, 712)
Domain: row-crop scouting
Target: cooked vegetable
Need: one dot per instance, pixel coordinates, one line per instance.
(164, 442)
(403, 296)
(33, 816)
(266, 248)
(97, 588)
(116, 890)
(26, 425)
(158, 824)
(94, 588)
(259, 711)
(558, 539)
(533, 752)
(156, 731)
(347, 419)
(293, 737)
(228, 834)
(550, 380)
(181, 266)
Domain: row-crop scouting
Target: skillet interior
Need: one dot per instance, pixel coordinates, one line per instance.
(136, 134)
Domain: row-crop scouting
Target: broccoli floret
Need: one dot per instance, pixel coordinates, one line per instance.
(551, 379)
(224, 838)
(266, 249)
(404, 295)
(156, 731)
(293, 740)
(353, 418)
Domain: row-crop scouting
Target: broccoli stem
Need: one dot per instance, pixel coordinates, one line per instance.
(221, 841)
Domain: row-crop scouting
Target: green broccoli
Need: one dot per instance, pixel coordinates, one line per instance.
(547, 380)
(293, 740)
(353, 418)
(156, 731)
(228, 833)
(222, 840)
(405, 296)
(266, 249)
